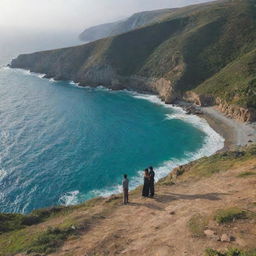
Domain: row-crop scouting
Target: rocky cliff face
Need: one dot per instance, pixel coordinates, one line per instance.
(235, 112)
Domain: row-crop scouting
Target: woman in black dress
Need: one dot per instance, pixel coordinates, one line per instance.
(145, 190)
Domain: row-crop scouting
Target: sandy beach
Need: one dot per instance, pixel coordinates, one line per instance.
(234, 132)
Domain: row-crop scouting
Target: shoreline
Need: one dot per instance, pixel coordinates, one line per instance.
(234, 132)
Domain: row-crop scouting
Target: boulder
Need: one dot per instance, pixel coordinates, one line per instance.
(211, 234)
(225, 238)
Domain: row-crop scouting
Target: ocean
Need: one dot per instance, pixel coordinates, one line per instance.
(61, 144)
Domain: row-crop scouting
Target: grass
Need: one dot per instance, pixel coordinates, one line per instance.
(228, 215)
(246, 174)
(49, 240)
(220, 162)
(60, 224)
(230, 252)
(197, 224)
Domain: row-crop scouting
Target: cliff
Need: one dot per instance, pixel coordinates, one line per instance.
(205, 208)
(203, 53)
(137, 20)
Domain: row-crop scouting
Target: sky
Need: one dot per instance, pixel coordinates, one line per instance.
(75, 15)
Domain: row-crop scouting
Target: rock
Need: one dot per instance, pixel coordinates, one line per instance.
(209, 232)
(225, 238)
(212, 235)
(172, 213)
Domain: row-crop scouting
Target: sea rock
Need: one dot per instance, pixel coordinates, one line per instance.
(225, 238)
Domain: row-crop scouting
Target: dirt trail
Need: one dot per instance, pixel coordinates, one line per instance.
(159, 226)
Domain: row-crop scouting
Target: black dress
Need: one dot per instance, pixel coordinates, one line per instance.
(152, 183)
(145, 190)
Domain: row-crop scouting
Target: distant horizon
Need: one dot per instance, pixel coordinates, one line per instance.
(77, 15)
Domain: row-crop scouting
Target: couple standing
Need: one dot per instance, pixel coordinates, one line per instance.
(148, 187)
(149, 182)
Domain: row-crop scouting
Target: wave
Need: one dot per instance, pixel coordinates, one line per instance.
(3, 173)
(69, 198)
(212, 143)
(26, 72)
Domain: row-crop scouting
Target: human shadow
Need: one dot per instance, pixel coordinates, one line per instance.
(173, 197)
(148, 205)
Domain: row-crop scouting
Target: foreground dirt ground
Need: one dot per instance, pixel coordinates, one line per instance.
(160, 226)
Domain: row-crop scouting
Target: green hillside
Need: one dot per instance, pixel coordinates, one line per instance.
(207, 48)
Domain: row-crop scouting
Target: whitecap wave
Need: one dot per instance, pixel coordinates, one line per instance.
(103, 88)
(69, 198)
(3, 173)
(28, 72)
(52, 80)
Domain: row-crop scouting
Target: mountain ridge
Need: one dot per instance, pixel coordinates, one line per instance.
(173, 58)
(121, 26)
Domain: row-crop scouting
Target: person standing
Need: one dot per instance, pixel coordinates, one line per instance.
(151, 182)
(125, 184)
(145, 190)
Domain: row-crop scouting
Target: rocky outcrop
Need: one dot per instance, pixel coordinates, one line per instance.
(236, 112)
(200, 100)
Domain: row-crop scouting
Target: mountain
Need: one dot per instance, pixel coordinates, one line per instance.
(203, 53)
(135, 21)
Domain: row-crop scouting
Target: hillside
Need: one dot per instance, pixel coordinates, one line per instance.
(207, 208)
(186, 55)
(135, 21)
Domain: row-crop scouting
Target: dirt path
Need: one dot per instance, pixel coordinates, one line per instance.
(160, 226)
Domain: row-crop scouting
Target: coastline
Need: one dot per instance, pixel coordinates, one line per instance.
(234, 132)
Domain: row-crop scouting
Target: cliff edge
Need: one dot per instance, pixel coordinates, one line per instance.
(207, 208)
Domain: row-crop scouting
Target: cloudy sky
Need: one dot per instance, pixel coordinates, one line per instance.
(75, 14)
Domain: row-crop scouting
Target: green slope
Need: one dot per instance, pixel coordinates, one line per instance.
(192, 48)
(236, 83)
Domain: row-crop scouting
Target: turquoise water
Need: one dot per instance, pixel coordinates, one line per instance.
(60, 144)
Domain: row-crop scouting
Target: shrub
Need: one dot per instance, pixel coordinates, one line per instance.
(50, 239)
(230, 252)
(197, 225)
(245, 174)
(229, 215)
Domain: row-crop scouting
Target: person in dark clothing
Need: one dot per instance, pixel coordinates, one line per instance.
(125, 184)
(145, 190)
(151, 182)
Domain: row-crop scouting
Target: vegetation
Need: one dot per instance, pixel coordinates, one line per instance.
(49, 240)
(197, 224)
(230, 252)
(246, 174)
(229, 215)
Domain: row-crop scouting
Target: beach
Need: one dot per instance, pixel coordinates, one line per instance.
(235, 133)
